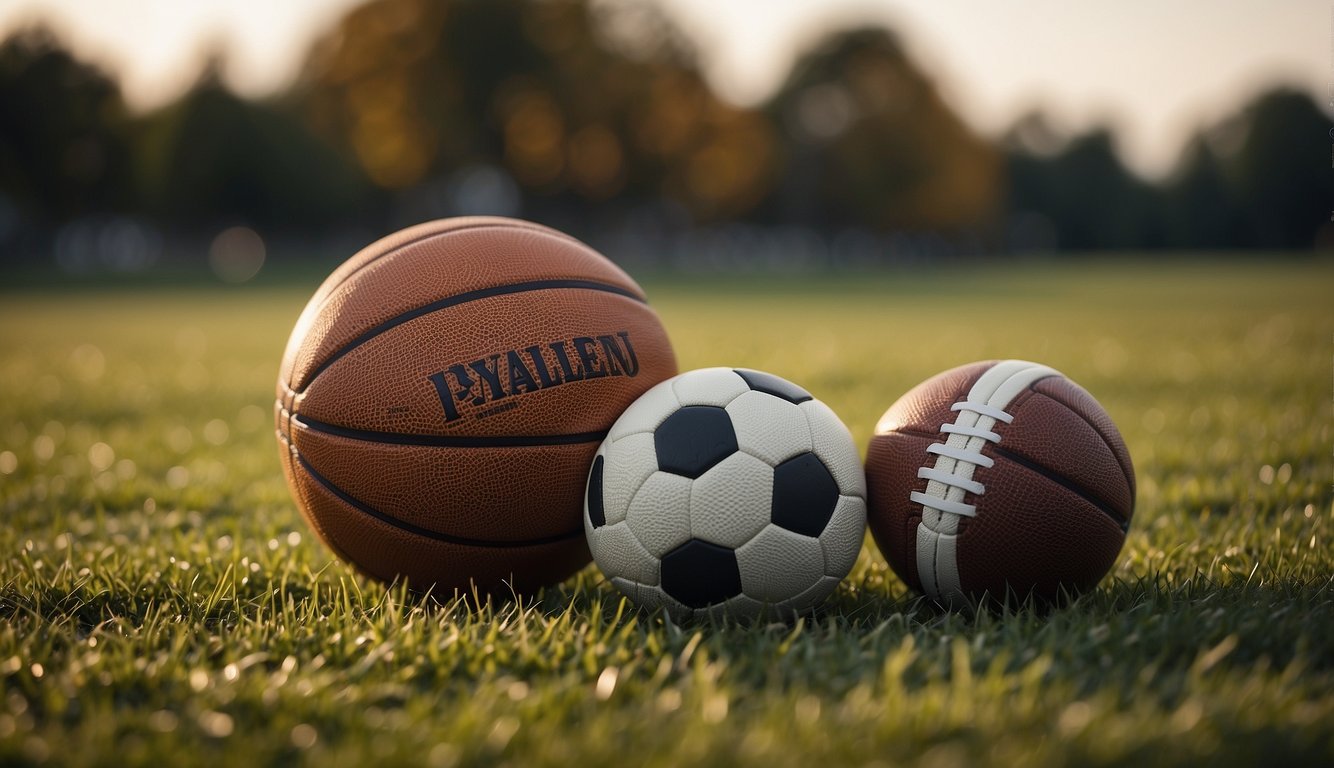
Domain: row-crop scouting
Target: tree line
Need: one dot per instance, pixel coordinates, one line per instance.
(589, 114)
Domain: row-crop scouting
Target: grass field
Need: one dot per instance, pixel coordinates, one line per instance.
(162, 600)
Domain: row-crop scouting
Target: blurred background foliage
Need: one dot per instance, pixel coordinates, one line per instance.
(595, 117)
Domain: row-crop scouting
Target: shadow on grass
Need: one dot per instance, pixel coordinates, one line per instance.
(1119, 632)
(1112, 636)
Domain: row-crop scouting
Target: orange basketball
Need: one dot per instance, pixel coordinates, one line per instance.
(443, 394)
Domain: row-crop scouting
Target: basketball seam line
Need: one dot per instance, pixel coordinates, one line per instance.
(414, 241)
(426, 532)
(1029, 464)
(463, 298)
(449, 441)
(289, 453)
(396, 249)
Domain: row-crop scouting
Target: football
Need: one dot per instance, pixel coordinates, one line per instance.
(726, 492)
(998, 480)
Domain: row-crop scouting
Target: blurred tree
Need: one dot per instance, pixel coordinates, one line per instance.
(1256, 180)
(62, 121)
(578, 101)
(1030, 194)
(211, 158)
(585, 109)
(1098, 203)
(1079, 186)
(869, 141)
(1200, 209)
(1280, 169)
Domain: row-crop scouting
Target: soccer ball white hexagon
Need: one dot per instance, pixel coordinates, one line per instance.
(726, 491)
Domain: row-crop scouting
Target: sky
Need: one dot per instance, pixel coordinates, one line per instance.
(1153, 70)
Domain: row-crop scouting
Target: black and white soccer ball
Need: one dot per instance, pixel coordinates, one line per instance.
(726, 491)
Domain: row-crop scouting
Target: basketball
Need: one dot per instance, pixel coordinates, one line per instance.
(997, 480)
(442, 396)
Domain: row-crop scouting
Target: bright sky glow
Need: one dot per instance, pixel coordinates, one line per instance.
(1154, 70)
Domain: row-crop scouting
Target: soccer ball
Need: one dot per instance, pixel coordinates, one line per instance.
(726, 491)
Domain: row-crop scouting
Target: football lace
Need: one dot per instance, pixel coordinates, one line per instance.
(961, 456)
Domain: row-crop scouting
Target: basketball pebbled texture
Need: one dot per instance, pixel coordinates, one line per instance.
(1049, 513)
(444, 391)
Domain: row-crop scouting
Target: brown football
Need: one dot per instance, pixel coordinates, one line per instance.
(443, 394)
(999, 480)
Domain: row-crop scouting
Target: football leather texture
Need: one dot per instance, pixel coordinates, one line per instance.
(443, 394)
(998, 480)
(726, 492)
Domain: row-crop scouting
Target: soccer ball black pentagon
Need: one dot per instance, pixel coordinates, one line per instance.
(726, 491)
